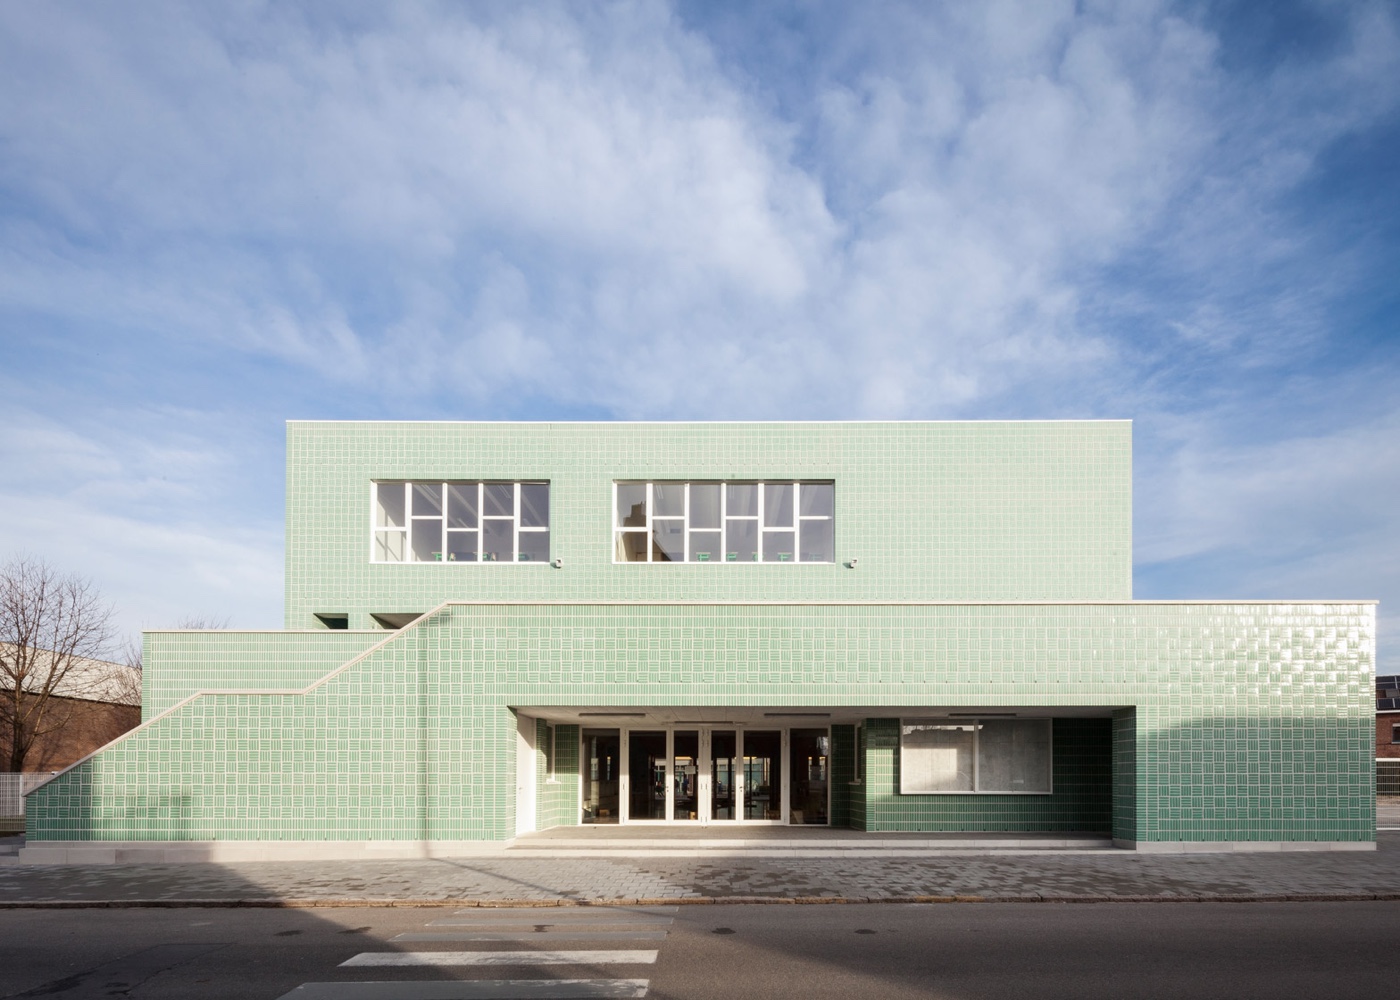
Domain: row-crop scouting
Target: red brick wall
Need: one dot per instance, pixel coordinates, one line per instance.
(1384, 724)
(87, 726)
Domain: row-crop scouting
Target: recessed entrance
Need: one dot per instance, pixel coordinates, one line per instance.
(706, 775)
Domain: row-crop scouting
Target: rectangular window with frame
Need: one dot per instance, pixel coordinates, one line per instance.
(459, 522)
(975, 756)
(724, 522)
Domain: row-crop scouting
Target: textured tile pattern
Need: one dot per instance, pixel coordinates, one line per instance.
(179, 663)
(1251, 722)
(933, 511)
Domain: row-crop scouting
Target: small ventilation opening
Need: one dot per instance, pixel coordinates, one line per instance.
(333, 619)
(396, 619)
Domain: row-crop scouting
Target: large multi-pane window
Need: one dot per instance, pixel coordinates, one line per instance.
(975, 755)
(729, 522)
(455, 522)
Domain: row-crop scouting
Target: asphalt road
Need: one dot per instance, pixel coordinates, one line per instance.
(955, 951)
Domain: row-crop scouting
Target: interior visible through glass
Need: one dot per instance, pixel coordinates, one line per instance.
(808, 758)
(724, 748)
(646, 775)
(763, 775)
(601, 763)
(685, 774)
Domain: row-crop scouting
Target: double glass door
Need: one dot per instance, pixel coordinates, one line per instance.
(708, 775)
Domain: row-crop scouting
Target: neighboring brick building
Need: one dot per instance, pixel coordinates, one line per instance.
(1388, 716)
(496, 628)
(96, 702)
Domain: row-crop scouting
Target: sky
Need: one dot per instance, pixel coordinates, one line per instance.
(215, 218)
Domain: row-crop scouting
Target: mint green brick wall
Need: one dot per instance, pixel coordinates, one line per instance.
(1125, 774)
(1251, 722)
(178, 662)
(843, 772)
(557, 794)
(933, 511)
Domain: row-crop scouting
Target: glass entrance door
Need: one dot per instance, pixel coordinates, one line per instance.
(646, 775)
(762, 790)
(602, 766)
(685, 774)
(724, 774)
(808, 757)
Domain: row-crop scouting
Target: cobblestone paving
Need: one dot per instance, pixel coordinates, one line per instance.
(546, 880)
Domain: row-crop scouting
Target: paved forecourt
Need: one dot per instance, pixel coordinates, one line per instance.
(702, 876)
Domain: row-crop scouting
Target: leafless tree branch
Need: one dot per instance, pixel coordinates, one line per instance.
(50, 623)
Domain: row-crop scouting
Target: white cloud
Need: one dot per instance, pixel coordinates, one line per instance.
(995, 209)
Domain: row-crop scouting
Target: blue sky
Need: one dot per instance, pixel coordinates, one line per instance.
(218, 217)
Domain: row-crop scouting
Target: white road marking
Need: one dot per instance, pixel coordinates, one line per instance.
(483, 989)
(421, 959)
(534, 935)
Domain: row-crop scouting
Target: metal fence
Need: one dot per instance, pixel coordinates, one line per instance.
(1388, 776)
(12, 789)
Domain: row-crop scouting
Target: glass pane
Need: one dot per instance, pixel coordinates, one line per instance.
(388, 546)
(427, 539)
(742, 541)
(497, 541)
(631, 546)
(534, 546)
(669, 499)
(631, 505)
(461, 506)
(818, 541)
(777, 505)
(646, 775)
(723, 767)
(389, 505)
(427, 500)
(819, 499)
(461, 546)
(534, 505)
(809, 753)
(1013, 755)
(601, 765)
(704, 546)
(704, 505)
(669, 539)
(778, 546)
(741, 498)
(498, 499)
(763, 775)
(936, 758)
(685, 775)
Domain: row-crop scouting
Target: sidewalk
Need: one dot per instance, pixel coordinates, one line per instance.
(1060, 876)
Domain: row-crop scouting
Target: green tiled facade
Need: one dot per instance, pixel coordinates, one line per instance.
(993, 575)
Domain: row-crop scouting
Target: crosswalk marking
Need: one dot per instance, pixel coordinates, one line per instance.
(524, 926)
(566, 912)
(445, 958)
(556, 916)
(515, 925)
(534, 935)
(481, 989)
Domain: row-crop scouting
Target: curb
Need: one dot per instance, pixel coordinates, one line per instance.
(306, 904)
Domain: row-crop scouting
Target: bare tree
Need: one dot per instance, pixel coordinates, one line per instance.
(51, 624)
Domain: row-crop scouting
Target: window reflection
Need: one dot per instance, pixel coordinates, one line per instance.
(734, 522)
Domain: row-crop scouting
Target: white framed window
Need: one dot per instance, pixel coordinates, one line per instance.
(724, 522)
(975, 756)
(459, 522)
